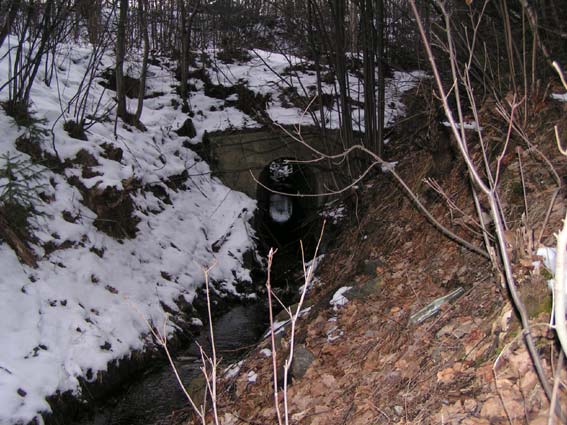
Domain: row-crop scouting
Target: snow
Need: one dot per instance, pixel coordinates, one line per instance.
(280, 170)
(233, 370)
(334, 214)
(252, 377)
(388, 166)
(277, 327)
(260, 75)
(334, 333)
(562, 97)
(91, 301)
(472, 125)
(339, 299)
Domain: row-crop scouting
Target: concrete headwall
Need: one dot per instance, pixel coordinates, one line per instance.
(234, 155)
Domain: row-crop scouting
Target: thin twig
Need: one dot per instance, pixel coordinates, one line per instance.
(271, 254)
(523, 185)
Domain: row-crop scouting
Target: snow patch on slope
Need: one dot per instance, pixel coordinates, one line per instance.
(91, 301)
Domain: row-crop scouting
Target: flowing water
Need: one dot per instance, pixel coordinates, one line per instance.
(154, 396)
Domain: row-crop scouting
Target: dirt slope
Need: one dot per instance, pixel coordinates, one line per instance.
(371, 363)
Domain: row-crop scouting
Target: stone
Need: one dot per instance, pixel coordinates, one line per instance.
(302, 359)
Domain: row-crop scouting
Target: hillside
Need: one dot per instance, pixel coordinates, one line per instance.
(402, 325)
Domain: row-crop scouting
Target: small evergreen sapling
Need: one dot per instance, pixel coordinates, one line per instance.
(20, 188)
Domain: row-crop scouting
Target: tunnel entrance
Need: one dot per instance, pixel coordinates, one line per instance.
(283, 220)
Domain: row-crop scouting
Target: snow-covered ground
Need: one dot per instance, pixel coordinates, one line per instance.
(260, 73)
(91, 301)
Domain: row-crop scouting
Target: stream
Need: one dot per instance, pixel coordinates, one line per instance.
(153, 397)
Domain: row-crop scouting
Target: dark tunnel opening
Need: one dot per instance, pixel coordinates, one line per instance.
(282, 221)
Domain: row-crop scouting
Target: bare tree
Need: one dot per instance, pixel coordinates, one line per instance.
(120, 57)
(8, 13)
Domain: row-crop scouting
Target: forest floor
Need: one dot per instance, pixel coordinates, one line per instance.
(363, 360)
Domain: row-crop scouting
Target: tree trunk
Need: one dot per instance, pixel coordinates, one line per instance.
(143, 10)
(368, 48)
(380, 58)
(338, 7)
(9, 11)
(120, 54)
(183, 50)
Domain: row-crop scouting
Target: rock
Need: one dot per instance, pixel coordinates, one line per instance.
(302, 359)
(187, 129)
(398, 410)
(197, 387)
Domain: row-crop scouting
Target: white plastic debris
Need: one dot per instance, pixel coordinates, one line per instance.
(338, 298)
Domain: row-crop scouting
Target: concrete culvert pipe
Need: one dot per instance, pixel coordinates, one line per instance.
(282, 220)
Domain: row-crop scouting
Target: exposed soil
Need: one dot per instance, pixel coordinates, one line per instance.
(465, 365)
